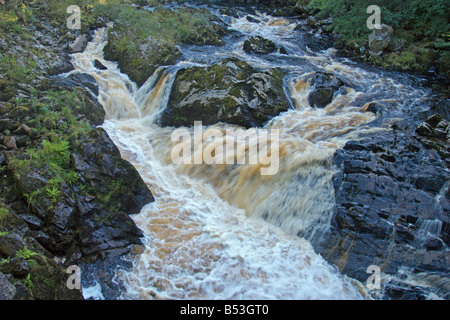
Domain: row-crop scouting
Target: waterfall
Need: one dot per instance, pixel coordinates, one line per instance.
(204, 238)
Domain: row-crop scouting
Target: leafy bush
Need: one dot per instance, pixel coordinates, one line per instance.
(350, 16)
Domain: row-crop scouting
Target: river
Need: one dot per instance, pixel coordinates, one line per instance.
(226, 231)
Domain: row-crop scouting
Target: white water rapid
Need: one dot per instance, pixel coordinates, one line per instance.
(225, 231)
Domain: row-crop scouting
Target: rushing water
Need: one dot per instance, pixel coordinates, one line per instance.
(226, 231)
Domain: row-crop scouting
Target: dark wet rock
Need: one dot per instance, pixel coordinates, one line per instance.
(442, 107)
(389, 190)
(99, 161)
(282, 50)
(98, 225)
(398, 290)
(376, 107)
(101, 272)
(77, 79)
(259, 45)
(44, 239)
(22, 292)
(10, 244)
(435, 126)
(229, 91)
(252, 19)
(316, 42)
(324, 85)
(7, 290)
(20, 267)
(99, 65)
(434, 134)
(33, 222)
(119, 191)
(229, 12)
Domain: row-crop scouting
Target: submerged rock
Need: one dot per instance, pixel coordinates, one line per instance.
(229, 91)
(324, 87)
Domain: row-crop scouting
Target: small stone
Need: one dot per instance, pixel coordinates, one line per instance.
(10, 142)
(89, 198)
(20, 267)
(138, 249)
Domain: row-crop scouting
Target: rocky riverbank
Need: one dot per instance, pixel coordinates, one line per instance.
(392, 196)
(407, 47)
(65, 194)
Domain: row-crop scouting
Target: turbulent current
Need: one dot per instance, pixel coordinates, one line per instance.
(226, 231)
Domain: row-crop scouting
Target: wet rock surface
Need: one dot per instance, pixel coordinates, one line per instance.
(392, 210)
(229, 91)
(259, 45)
(48, 223)
(325, 86)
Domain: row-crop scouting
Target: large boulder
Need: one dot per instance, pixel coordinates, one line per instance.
(381, 38)
(229, 91)
(259, 45)
(115, 180)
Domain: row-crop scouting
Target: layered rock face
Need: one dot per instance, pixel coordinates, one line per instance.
(392, 210)
(65, 194)
(325, 87)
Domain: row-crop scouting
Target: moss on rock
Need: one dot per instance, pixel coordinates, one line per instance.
(229, 91)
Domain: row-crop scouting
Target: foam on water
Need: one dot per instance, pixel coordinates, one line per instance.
(197, 245)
